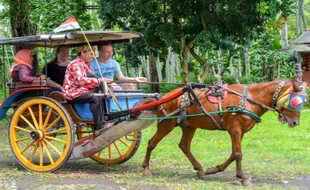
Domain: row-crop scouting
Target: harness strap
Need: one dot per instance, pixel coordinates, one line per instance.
(252, 101)
(202, 109)
(230, 109)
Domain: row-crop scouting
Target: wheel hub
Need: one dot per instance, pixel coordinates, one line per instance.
(36, 135)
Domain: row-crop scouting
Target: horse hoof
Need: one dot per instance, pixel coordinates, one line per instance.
(201, 174)
(210, 171)
(246, 182)
(148, 173)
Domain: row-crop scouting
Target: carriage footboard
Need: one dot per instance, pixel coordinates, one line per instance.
(91, 145)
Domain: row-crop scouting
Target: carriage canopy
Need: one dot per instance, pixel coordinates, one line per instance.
(71, 39)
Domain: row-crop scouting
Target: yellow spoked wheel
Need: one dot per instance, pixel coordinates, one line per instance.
(119, 151)
(41, 134)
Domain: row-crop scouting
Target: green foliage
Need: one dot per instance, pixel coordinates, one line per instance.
(179, 22)
(49, 14)
(307, 104)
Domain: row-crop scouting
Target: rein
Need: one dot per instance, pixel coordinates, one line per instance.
(253, 101)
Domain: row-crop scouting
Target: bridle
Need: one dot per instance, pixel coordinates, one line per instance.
(275, 105)
(289, 100)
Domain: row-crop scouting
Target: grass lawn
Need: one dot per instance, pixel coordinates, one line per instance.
(271, 152)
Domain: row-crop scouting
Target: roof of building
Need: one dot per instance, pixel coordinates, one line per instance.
(297, 48)
(304, 38)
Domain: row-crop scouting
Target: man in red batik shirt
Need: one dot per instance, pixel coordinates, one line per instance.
(77, 86)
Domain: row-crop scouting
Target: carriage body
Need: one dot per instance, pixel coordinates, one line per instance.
(43, 126)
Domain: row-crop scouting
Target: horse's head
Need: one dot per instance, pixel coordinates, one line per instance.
(290, 102)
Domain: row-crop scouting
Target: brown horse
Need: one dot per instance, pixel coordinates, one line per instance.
(259, 99)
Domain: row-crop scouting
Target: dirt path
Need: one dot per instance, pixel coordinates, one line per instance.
(97, 181)
(87, 177)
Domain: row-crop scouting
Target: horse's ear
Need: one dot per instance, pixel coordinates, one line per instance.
(299, 86)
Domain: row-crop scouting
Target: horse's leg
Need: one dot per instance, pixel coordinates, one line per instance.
(163, 128)
(236, 138)
(219, 168)
(237, 151)
(185, 146)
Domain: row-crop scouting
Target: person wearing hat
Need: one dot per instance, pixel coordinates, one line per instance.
(77, 86)
(22, 70)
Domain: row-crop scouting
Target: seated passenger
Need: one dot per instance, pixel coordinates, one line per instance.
(55, 70)
(108, 67)
(22, 70)
(77, 86)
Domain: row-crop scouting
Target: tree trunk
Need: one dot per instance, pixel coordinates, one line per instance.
(184, 62)
(19, 19)
(247, 61)
(284, 36)
(185, 49)
(153, 72)
(301, 21)
(206, 70)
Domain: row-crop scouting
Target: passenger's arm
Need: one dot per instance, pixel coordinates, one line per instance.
(51, 83)
(24, 75)
(122, 78)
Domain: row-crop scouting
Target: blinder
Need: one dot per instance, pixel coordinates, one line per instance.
(292, 100)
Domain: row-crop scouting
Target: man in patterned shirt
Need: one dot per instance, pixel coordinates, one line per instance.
(77, 86)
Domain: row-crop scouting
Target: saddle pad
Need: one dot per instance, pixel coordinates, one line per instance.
(217, 99)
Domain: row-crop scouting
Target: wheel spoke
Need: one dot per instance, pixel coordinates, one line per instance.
(52, 124)
(41, 154)
(33, 118)
(55, 139)
(40, 116)
(56, 131)
(22, 139)
(110, 152)
(121, 140)
(34, 151)
(47, 118)
(26, 148)
(118, 150)
(22, 129)
(53, 147)
(28, 122)
(48, 153)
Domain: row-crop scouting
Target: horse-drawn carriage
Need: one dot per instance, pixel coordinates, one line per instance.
(44, 125)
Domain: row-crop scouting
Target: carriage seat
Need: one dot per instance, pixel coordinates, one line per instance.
(56, 95)
(36, 83)
(81, 109)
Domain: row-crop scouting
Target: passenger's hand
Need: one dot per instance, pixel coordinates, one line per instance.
(115, 86)
(108, 81)
(42, 77)
(141, 79)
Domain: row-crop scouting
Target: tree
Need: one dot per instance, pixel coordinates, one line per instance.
(19, 18)
(180, 23)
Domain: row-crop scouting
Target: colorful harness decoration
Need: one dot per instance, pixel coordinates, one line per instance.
(292, 101)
